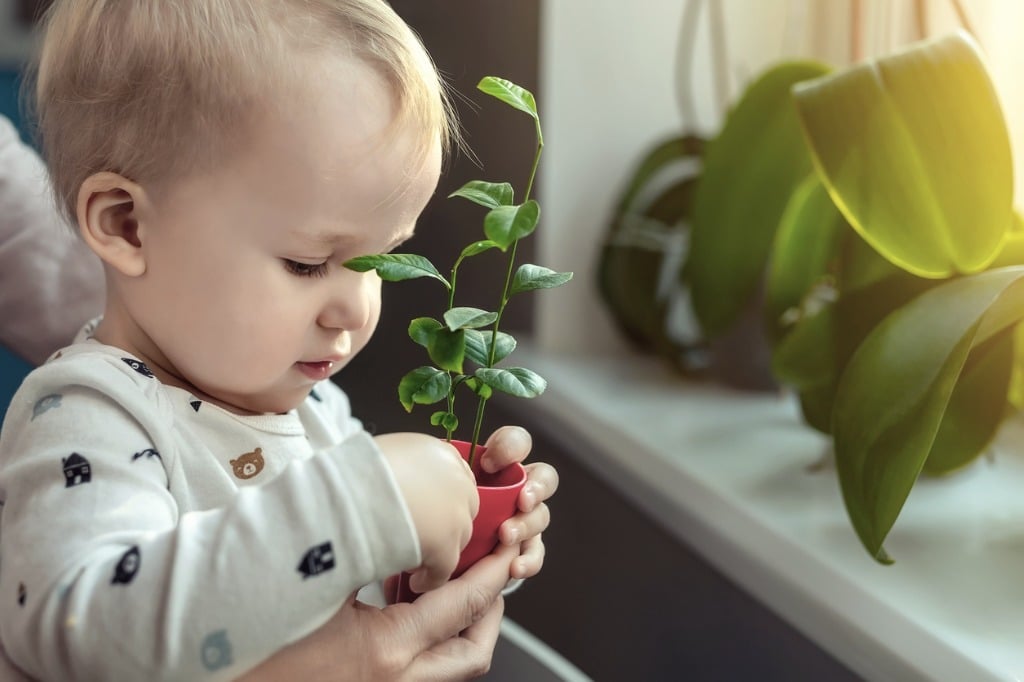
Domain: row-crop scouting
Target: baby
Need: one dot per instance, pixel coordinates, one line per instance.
(184, 490)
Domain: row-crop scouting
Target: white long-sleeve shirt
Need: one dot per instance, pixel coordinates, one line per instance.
(145, 534)
(50, 282)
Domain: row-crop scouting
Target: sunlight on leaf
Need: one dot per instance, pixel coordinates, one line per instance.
(915, 152)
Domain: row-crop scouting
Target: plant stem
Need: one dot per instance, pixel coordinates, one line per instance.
(478, 422)
(451, 304)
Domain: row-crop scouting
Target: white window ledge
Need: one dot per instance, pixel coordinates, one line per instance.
(738, 477)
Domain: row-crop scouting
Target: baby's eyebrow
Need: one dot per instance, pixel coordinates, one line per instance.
(321, 237)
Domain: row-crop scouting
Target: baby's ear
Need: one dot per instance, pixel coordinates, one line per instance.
(107, 213)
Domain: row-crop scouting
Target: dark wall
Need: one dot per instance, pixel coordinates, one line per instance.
(469, 39)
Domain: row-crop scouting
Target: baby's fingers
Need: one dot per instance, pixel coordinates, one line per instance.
(541, 484)
(530, 561)
(431, 576)
(525, 525)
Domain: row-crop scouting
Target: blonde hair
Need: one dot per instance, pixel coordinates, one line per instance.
(152, 89)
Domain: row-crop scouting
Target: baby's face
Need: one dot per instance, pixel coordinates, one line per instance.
(245, 298)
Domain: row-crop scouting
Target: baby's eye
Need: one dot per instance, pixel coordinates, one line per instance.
(305, 269)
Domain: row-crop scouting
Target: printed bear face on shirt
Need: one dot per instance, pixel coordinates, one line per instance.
(248, 464)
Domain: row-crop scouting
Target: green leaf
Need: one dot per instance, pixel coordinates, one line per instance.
(750, 171)
(447, 349)
(480, 388)
(423, 386)
(396, 267)
(517, 381)
(509, 93)
(488, 194)
(468, 318)
(976, 407)
(423, 329)
(478, 346)
(897, 388)
(446, 420)
(477, 248)
(914, 150)
(805, 247)
(530, 277)
(805, 358)
(506, 225)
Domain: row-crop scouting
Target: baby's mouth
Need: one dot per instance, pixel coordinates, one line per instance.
(316, 370)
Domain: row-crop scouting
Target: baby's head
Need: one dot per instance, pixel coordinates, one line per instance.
(152, 89)
(224, 158)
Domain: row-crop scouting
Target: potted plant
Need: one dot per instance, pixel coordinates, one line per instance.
(466, 345)
(877, 222)
(915, 354)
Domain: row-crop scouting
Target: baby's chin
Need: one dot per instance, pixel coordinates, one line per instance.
(249, 404)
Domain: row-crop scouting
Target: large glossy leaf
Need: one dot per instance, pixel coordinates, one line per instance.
(750, 171)
(805, 246)
(977, 406)
(914, 149)
(897, 388)
(813, 354)
(805, 358)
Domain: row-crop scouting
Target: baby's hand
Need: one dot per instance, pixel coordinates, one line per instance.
(512, 444)
(440, 491)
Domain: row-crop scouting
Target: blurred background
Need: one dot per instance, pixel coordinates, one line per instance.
(619, 597)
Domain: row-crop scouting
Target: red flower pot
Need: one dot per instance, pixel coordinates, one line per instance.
(499, 495)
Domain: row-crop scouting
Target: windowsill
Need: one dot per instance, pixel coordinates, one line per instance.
(739, 477)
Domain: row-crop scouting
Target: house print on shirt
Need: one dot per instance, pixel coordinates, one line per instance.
(76, 470)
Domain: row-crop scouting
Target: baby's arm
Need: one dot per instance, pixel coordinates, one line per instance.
(104, 578)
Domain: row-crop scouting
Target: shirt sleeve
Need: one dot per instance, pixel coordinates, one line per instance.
(105, 578)
(52, 284)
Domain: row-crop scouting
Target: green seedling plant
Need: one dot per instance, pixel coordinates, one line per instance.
(465, 333)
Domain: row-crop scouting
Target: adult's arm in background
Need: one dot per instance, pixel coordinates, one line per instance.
(50, 283)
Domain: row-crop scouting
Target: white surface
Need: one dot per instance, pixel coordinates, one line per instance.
(734, 475)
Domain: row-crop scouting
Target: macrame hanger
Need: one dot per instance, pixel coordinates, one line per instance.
(686, 52)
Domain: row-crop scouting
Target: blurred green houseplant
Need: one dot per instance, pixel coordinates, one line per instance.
(877, 217)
